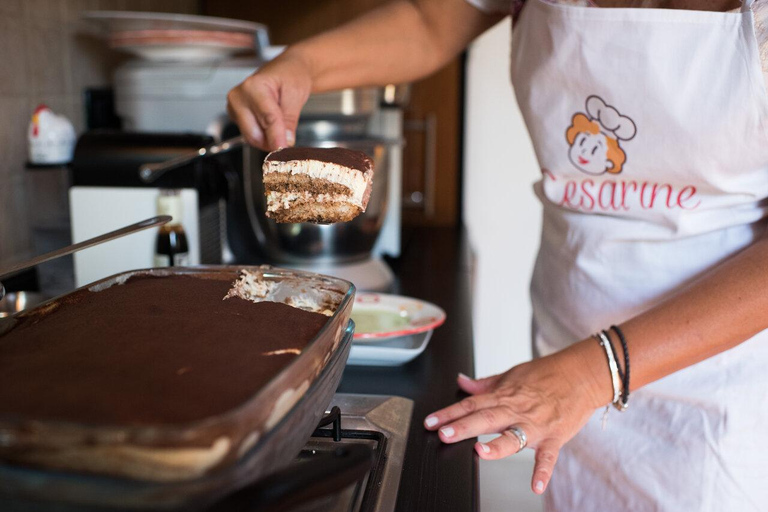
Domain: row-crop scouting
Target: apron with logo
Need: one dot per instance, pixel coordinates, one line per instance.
(651, 130)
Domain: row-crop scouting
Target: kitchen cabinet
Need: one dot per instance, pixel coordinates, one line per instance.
(432, 153)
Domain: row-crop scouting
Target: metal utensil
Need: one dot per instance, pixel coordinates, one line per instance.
(133, 228)
(150, 172)
(13, 302)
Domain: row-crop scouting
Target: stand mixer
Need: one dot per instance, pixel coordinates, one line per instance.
(344, 250)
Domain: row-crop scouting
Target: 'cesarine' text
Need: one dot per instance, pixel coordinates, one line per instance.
(618, 195)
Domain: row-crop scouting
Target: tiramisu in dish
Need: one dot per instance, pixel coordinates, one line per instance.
(165, 376)
(163, 350)
(321, 185)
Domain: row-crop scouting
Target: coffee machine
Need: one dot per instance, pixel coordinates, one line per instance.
(106, 193)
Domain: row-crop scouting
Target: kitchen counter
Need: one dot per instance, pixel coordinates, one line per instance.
(434, 266)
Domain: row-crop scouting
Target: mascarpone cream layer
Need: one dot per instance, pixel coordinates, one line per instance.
(350, 178)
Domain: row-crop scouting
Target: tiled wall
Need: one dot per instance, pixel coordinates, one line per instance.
(46, 57)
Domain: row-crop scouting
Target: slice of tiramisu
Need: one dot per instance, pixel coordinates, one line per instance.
(321, 185)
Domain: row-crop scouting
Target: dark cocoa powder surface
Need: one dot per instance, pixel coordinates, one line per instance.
(340, 156)
(153, 351)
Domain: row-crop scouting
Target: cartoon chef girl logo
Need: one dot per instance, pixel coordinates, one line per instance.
(595, 138)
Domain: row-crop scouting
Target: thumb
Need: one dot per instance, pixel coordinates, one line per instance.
(546, 458)
(477, 386)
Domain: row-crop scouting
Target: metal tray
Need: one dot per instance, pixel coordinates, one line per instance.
(266, 427)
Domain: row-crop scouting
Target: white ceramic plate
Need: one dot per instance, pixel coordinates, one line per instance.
(119, 21)
(394, 352)
(175, 37)
(381, 317)
(181, 52)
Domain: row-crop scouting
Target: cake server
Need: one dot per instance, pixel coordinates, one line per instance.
(150, 172)
(127, 230)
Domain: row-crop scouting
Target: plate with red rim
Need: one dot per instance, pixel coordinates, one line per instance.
(380, 317)
(176, 37)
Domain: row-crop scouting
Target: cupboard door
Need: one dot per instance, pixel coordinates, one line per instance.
(431, 157)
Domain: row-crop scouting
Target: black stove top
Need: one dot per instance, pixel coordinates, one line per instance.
(351, 463)
(375, 424)
(360, 496)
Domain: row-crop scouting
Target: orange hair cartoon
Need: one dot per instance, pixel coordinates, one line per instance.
(614, 153)
(593, 138)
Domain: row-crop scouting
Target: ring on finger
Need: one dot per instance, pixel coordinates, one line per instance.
(519, 433)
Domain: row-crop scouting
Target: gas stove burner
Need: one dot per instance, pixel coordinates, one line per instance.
(362, 494)
(351, 463)
(378, 424)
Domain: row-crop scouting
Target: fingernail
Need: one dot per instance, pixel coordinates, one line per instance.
(431, 421)
(485, 448)
(447, 431)
(257, 135)
(290, 139)
(462, 376)
(539, 486)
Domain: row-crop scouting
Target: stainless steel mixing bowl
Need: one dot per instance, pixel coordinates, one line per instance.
(314, 243)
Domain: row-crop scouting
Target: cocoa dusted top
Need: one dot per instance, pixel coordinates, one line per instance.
(157, 350)
(339, 156)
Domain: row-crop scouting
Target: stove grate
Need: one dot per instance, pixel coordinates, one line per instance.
(370, 483)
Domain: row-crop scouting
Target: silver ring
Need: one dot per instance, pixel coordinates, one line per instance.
(520, 435)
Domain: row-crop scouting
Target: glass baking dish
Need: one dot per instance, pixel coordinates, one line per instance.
(173, 465)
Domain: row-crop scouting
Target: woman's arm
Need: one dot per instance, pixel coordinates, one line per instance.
(551, 398)
(726, 307)
(398, 42)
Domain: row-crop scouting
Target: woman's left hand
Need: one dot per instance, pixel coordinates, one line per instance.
(550, 399)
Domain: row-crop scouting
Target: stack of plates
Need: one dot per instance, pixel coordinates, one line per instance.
(391, 330)
(178, 37)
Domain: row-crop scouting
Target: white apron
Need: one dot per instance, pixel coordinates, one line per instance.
(651, 129)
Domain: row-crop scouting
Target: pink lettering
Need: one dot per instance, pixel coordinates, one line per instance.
(624, 188)
(655, 192)
(585, 186)
(684, 195)
(568, 194)
(611, 197)
(642, 195)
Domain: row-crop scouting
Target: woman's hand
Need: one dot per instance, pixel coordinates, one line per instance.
(267, 104)
(550, 399)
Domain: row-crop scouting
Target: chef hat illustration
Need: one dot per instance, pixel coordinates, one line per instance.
(614, 124)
